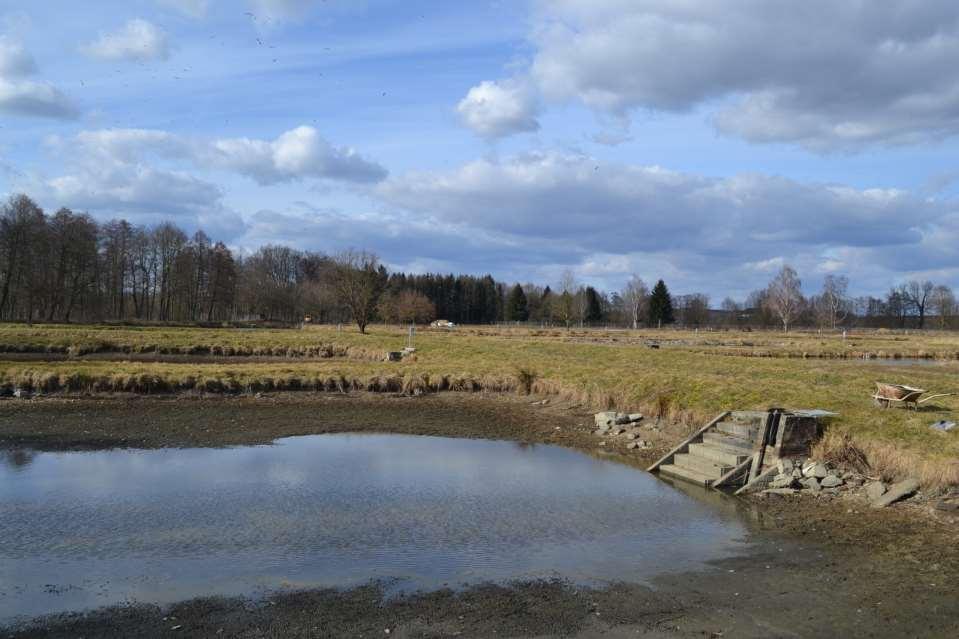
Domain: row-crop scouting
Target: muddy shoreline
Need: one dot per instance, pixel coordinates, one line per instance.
(817, 566)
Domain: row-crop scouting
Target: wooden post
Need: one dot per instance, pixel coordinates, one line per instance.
(759, 448)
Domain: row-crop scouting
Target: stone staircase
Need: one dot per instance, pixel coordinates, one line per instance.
(715, 450)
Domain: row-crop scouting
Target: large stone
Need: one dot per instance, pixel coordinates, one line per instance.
(605, 418)
(811, 483)
(875, 490)
(899, 490)
(635, 417)
(786, 466)
(815, 469)
(782, 481)
(831, 481)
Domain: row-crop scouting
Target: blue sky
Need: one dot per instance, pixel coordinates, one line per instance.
(704, 142)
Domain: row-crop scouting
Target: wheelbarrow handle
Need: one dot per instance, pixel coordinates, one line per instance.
(926, 399)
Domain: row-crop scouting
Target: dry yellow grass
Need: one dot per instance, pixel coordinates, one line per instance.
(687, 381)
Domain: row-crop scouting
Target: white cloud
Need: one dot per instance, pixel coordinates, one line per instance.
(296, 154)
(711, 233)
(20, 95)
(135, 189)
(820, 74)
(39, 99)
(137, 40)
(497, 109)
(110, 178)
(150, 175)
(15, 61)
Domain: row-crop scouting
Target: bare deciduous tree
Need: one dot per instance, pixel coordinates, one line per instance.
(406, 307)
(565, 307)
(916, 294)
(832, 305)
(943, 303)
(784, 296)
(358, 280)
(635, 297)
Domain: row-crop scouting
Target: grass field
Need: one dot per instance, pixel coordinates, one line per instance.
(691, 377)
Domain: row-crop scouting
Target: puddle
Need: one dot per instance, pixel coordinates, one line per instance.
(87, 529)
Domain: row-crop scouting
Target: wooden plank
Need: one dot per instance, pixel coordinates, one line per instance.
(768, 473)
(759, 446)
(668, 456)
(743, 465)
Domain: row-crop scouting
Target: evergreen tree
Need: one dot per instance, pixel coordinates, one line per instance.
(517, 309)
(660, 305)
(546, 305)
(594, 306)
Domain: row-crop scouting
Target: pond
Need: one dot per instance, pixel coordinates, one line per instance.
(87, 529)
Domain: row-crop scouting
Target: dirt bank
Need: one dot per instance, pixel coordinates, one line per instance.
(827, 567)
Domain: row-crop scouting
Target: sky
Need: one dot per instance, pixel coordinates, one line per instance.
(706, 142)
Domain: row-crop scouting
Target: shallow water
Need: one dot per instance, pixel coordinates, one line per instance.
(86, 529)
(909, 361)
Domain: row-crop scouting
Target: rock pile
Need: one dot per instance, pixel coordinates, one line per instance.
(625, 425)
(811, 476)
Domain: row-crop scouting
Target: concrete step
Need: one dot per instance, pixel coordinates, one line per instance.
(718, 455)
(728, 443)
(678, 472)
(754, 417)
(738, 429)
(701, 465)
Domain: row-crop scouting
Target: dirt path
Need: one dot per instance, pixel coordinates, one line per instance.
(818, 567)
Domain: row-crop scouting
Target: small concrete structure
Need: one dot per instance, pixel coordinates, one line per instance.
(738, 447)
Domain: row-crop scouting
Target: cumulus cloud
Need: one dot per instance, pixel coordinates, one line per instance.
(135, 188)
(709, 228)
(110, 177)
(497, 109)
(399, 237)
(39, 99)
(622, 206)
(875, 72)
(297, 154)
(137, 40)
(149, 175)
(21, 95)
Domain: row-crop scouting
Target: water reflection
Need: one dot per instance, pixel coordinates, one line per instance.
(17, 458)
(88, 529)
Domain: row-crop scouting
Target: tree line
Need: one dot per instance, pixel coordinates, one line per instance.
(67, 267)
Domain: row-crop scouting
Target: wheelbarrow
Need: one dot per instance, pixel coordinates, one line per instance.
(887, 393)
